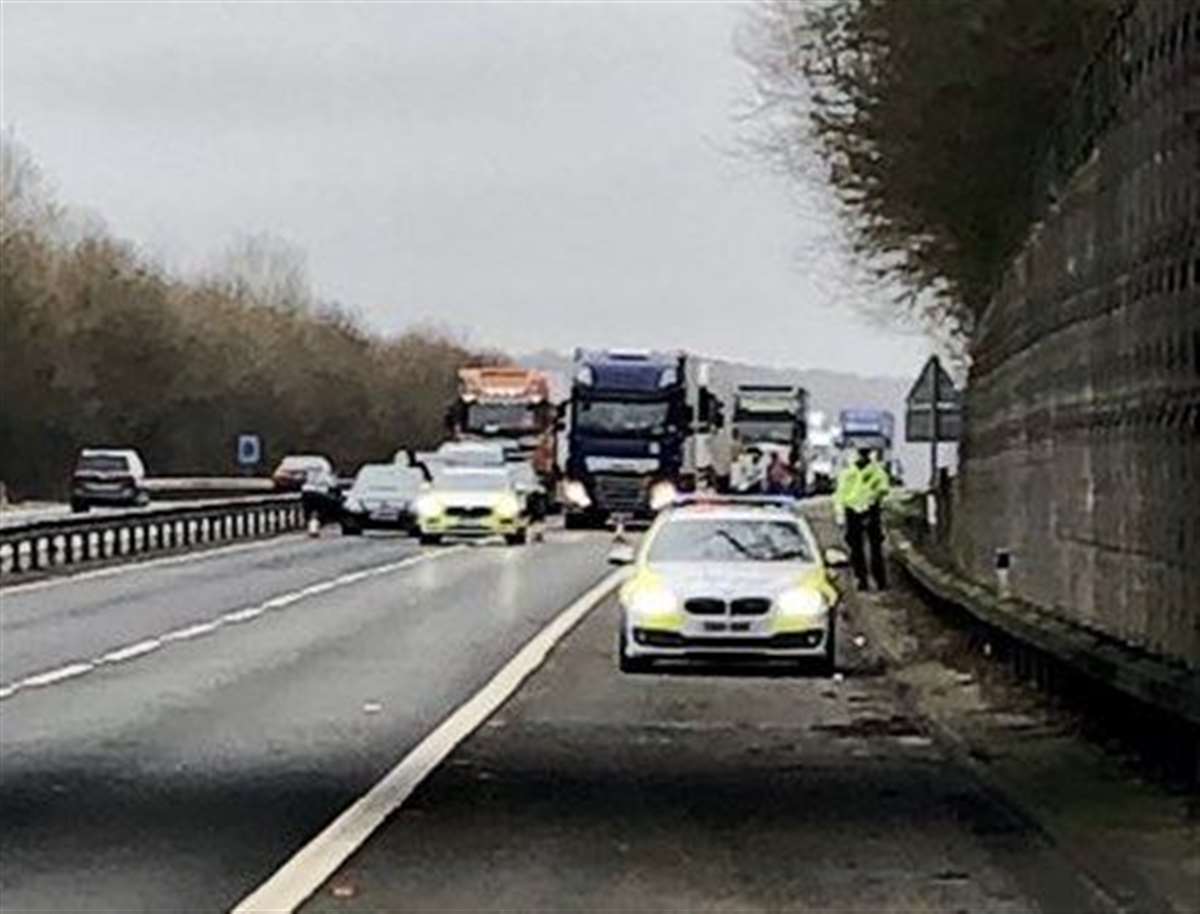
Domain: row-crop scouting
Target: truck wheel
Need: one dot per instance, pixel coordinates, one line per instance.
(573, 520)
(349, 528)
(430, 539)
(79, 506)
(520, 538)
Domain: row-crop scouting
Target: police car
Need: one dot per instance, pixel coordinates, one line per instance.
(722, 578)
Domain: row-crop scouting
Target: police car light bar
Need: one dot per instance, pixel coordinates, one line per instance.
(735, 501)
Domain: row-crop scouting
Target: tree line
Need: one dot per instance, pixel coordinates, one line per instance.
(99, 346)
(929, 119)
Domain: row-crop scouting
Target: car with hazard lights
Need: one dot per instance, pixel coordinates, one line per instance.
(728, 578)
(472, 502)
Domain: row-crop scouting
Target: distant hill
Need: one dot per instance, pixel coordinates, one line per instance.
(829, 392)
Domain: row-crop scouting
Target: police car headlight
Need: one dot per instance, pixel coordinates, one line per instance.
(507, 506)
(801, 601)
(661, 495)
(650, 600)
(430, 506)
(576, 493)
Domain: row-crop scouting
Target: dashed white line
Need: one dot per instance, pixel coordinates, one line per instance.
(52, 676)
(190, 631)
(121, 654)
(304, 873)
(132, 651)
(242, 615)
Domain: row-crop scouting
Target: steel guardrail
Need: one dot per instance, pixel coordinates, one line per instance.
(49, 543)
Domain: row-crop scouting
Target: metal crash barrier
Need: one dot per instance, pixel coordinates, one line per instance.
(44, 545)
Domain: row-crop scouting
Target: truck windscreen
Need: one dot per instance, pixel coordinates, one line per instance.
(613, 417)
(502, 416)
(759, 430)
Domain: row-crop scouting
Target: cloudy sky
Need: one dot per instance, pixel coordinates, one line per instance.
(539, 176)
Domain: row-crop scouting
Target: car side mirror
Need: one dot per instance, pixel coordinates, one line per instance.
(836, 558)
(621, 554)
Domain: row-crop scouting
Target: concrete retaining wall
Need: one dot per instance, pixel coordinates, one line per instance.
(1082, 446)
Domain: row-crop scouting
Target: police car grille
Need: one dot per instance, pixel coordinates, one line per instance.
(750, 606)
(705, 606)
(468, 512)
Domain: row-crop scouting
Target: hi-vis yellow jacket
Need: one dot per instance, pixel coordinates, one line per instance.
(858, 488)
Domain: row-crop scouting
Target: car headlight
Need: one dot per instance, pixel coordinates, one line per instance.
(661, 495)
(668, 378)
(649, 599)
(430, 506)
(585, 375)
(507, 506)
(801, 601)
(575, 492)
(353, 505)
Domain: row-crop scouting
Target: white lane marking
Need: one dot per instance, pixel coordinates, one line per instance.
(242, 615)
(202, 628)
(214, 552)
(121, 654)
(190, 631)
(304, 873)
(52, 676)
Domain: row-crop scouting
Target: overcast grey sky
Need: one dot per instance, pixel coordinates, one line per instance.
(541, 176)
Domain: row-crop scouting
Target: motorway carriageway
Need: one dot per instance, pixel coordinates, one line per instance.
(172, 731)
(297, 722)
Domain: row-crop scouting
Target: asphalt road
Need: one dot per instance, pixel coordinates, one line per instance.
(178, 776)
(702, 790)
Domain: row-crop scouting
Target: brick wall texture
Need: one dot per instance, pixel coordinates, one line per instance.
(1081, 452)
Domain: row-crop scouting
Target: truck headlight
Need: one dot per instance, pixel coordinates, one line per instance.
(575, 492)
(661, 495)
(507, 506)
(801, 601)
(585, 375)
(430, 506)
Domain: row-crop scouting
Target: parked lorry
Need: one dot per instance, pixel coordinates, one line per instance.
(771, 420)
(511, 406)
(642, 429)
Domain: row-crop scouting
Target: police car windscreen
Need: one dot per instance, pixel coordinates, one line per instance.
(716, 540)
(473, 481)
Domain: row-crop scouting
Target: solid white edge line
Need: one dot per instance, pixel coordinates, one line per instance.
(293, 883)
(135, 565)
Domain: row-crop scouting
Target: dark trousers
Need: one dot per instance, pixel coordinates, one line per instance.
(868, 524)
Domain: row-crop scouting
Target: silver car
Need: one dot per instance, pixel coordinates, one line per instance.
(728, 578)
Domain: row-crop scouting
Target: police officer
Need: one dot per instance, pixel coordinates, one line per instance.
(858, 501)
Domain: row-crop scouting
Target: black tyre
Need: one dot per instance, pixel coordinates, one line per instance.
(430, 539)
(827, 665)
(520, 538)
(351, 529)
(80, 507)
(573, 520)
(627, 664)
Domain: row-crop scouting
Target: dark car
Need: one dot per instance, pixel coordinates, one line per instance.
(382, 496)
(113, 477)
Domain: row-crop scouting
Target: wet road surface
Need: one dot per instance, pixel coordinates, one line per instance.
(181, 778)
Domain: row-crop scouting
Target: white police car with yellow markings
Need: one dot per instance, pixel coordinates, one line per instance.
(728, 577)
